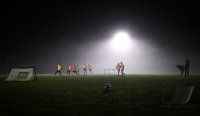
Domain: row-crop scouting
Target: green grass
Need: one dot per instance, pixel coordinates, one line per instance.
(132, 95)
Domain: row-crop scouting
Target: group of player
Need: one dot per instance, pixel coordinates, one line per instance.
(87, 69)
(120, 68)
(74, 69)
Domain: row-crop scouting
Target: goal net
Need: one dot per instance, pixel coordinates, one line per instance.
(22, 74)
(109, 71)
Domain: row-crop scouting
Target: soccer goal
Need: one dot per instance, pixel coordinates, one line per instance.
(109, 71)
(22, 74)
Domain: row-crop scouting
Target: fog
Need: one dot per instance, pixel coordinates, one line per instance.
(144, 56)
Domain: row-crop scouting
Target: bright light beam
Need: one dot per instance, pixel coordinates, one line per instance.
(121, 41)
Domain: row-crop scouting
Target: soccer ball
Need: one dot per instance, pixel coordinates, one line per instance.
(108, 87)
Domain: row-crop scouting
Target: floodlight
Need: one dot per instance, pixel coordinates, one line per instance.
(121, 41)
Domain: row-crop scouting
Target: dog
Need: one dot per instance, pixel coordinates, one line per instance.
(181, 68)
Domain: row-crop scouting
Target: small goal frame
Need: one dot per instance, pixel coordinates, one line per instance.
(109, 70)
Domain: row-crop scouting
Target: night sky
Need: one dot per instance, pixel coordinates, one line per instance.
(44, 34)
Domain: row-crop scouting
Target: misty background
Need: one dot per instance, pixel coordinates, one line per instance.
(163, 35)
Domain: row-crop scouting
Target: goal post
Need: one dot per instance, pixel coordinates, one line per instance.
(22, 74)
(109, 71)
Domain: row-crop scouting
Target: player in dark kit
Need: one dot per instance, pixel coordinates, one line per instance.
(187, 66)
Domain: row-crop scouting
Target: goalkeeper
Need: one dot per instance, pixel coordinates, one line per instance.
(58, 69)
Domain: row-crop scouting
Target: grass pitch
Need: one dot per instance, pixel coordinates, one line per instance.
(132, 95)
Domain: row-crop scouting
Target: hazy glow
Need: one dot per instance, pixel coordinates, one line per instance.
(121, 41)
(139, 55)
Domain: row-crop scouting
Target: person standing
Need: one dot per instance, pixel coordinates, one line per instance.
(58, 69)
(122, 68)
(74, 69)
(85, 69)
(69, 68)
(187, 66)
(77, 69)
(90, 69)
(118, 68)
